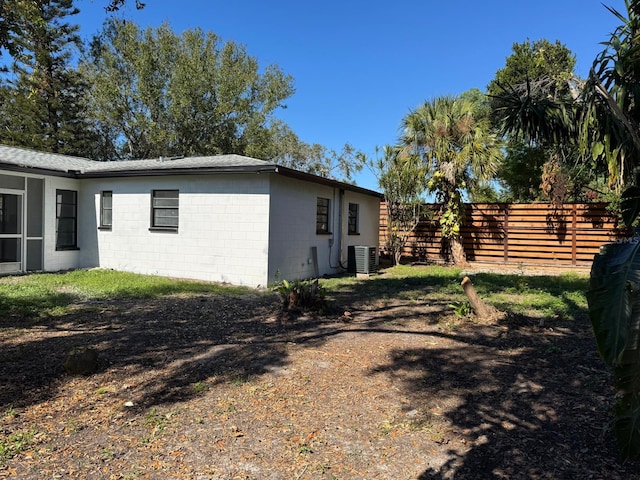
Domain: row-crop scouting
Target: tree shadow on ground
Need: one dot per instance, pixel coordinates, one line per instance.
(512, 390)
(168, 344)
(523, 403)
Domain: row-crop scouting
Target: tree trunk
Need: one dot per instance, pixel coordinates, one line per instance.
(397, 256)
(457, 251)
(479, 307)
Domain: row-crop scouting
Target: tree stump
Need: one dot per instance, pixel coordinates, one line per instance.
(479, 307)
(81, 361)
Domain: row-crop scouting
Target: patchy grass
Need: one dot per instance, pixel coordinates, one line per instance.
(402, 282)
(536, 296)
(200, 387)
(51, 294)
(13, 444)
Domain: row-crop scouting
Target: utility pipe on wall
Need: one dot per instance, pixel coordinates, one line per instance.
(340, 230)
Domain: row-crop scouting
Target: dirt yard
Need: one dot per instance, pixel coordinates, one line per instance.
(218, 388)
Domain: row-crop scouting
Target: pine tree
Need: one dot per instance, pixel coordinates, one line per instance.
(41, 97)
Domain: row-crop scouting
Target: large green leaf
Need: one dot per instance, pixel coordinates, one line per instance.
(614, 308)
(627, 425)
(614, 297)
(627, 372)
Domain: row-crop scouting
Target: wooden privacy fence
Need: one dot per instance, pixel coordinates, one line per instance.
(517, 233)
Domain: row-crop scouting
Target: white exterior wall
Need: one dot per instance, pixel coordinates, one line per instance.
(245, 229)
(53, 259)
(293, 228)
(369, 222)
(222, 234)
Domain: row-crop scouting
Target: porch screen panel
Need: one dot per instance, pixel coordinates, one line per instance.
(34, 255)
(9, 250)
(12, 182)
(10, 214)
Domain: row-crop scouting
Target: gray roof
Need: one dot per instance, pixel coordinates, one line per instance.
(63, 163)
(55, 164)
(21, 157)
(187, 163)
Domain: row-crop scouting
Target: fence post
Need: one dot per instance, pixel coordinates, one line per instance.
(505, 232)
(574, 236)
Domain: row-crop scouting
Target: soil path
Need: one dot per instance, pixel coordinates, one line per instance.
(199, 387)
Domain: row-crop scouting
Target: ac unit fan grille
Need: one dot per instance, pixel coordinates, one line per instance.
(361, 259)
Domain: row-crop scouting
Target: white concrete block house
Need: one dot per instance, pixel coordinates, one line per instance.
(226, 218)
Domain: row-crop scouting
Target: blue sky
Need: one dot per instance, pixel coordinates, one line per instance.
(359, 67)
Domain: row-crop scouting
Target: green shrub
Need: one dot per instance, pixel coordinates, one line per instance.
(301, 295)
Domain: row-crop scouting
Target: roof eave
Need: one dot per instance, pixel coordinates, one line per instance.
(39, 171)
(309, 177)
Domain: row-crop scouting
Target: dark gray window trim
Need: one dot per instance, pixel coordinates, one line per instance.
(103, 225)
(323, 216)
(74, 244)
(353, 227)
(154, 196)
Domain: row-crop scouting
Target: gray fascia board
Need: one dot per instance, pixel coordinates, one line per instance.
(176, 171)
(39, 171)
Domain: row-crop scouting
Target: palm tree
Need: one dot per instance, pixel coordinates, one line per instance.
(459, 152)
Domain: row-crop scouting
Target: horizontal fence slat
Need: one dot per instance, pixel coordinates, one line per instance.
(515, 233)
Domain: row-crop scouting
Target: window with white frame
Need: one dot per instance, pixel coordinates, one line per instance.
(322, 215)
(164, 209)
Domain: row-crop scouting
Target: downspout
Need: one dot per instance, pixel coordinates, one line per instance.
(340, 230)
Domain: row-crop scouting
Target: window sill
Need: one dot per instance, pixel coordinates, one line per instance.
(66, 249)
(164, 229)
(353, 234)
(323, 233)
(105, 228)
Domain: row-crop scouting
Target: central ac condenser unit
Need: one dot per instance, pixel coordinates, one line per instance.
(361, 259)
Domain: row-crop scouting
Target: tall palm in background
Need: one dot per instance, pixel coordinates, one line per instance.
(600, 116)
(459, 152)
